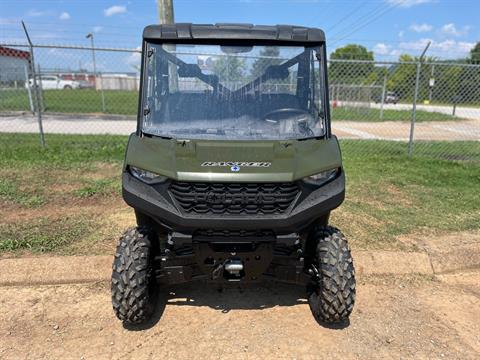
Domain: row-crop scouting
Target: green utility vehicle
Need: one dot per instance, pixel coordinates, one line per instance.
(233, 170)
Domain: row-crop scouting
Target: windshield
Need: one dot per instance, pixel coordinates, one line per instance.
(233, 92)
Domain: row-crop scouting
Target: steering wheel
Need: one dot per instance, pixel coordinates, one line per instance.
(284, 113)
(301, 127)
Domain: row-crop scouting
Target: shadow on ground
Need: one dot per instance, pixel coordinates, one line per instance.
(232, 297)
(229, 297)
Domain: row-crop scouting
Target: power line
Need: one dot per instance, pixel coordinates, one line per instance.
(347, 16)
(367, 23)
(361, 18)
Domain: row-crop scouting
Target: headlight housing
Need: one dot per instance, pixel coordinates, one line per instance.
(322, 177)
(146, 176)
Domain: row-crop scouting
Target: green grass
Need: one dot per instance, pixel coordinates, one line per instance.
(102, 187)
(78, 178)
(390, 195)
(61, 150)
(14, 100)
(9, 191)
(125, 103)
(43, 234)
(373, 115)
(90, 101)
(74, 101)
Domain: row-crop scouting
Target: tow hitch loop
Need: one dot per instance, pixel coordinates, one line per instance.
(218, 271)
(313, 271)
(232, 268)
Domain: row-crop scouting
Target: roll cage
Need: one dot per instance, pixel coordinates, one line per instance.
(239, 34)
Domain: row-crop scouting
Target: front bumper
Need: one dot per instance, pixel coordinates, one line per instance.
(156, 202)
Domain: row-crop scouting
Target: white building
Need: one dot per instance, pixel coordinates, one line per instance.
(14, 67)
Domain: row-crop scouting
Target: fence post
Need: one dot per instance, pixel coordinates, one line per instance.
(102, 95)
(29, 90)
(414, 111)
(42, 98)
(383, 95)
(36, 88)
(430, 84)
(415, 97)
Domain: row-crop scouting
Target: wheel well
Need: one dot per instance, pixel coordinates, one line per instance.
(310, 244)
(160, 231)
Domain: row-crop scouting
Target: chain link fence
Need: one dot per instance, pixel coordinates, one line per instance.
(420, 109)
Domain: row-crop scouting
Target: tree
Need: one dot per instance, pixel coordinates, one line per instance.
(351, 72)
(402, 78)
(229, 69)
(268, 56)
(352, 52)
(475, 54)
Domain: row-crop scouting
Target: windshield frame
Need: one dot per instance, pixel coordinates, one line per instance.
(321, 58)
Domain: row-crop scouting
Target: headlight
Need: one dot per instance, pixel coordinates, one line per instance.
(322, 177)
(146, 176)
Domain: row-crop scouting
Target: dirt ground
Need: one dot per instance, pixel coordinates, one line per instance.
(395, 317)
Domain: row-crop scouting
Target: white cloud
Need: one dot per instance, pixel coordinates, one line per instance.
(134, 59)
(9, 21)
(46, 35)
(395, 52)
(97, 29)
(36, 13)
(416, 45)
(451, 29)
(114, 10)
(446, 48)
(408, 3)
(64, 16)
(454, 46)
(401, 33)
(13, 40)
(101, 66)
(421, 28)
(381, 49)
(63, 53)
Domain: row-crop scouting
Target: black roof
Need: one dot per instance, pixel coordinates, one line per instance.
(229, 32)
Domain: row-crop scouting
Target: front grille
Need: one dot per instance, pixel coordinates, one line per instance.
(234, 199)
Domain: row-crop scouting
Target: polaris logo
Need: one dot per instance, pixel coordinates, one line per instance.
(237, 199)
(236, 164)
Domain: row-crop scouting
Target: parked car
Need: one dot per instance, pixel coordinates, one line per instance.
(83, 84)
(52, 82)
(391, 97)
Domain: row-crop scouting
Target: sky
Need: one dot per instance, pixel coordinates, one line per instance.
(386, 27)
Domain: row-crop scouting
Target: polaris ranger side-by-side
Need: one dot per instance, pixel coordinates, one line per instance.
(233, 170)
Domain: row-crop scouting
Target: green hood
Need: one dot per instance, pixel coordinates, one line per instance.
(182, 160)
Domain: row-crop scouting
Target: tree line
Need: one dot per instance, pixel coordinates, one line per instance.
(439, 81)
(353, 65)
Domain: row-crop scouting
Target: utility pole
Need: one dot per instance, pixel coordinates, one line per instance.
(165, 11)
(165, 15)
(90, 36)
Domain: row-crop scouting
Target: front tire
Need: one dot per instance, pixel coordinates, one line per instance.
(132, 283)
(331, 294)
